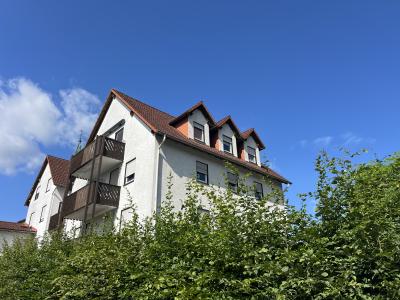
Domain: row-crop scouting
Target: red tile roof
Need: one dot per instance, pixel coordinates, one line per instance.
(229, 120)
(199, 105)
(160, 123)
(59, 169)
(13, 226)
(252, 132)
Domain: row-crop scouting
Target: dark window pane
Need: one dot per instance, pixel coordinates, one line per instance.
(119, 135)
(227, 141)
(251, 152)
(201, 172)
(198, 132)
(258, 190)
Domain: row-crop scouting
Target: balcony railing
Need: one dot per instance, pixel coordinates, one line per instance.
(100, 146)
(53, 223)
(106, 197)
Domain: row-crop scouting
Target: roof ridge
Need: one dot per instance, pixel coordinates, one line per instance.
(141, 102)
(52, 156)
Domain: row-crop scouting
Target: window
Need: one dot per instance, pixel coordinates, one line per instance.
(31, 218)
(130, 170)
(233, 181)
(37, 192)
(119, 135)
(71, 185)
(126, 216)
(42, 214)
(227, 141)
(258, 190)
(114, 177)
(251, 152)
(201, 172)
(202, 211)
(48, 185)
(198, 132)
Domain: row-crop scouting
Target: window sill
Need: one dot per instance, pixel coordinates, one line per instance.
(202, 182)
(127, 183)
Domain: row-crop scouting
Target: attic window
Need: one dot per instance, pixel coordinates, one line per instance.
(251, 153)
(227, 144)
(198, 131)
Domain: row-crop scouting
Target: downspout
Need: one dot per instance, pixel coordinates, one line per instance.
(156, 170)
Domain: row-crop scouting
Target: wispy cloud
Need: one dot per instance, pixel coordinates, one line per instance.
(348, 139)
(31, 119)
(323, 141)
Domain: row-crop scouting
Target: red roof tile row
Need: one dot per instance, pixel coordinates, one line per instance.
(13, 226)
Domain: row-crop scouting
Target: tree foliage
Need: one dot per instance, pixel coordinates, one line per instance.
(242, 249)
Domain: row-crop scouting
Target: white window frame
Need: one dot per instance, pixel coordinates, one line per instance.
(134, 173)
(48, 185)
(202, 172)
(41, 213)
(37, 193)
(255, 154)
(229, 141)
(200, 127)
(31, 218)
(233, 185)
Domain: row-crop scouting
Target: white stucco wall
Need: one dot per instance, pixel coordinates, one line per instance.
(50, 198)
(227, 131)
(197, 116)
(180, 161)
(141, 145)
(8, 237)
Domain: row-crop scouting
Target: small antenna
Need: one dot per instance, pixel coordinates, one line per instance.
(79, 146)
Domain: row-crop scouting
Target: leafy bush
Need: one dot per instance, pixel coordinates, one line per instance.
(241, 249)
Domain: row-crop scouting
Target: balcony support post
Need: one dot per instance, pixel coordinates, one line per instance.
(90, 185)
(96, 187)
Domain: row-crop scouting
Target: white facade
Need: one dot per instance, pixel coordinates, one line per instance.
(180, 162)
(149, 159)
(10, 236)
(44, 203)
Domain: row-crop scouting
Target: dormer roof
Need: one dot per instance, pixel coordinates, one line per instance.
(252, 132)
(227, 120)
(199, 105)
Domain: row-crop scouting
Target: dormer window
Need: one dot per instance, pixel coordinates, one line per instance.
(227, 141)
(251, 153)
(198, 132)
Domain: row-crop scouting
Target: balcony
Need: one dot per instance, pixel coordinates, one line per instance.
(105, 196)
(106, 152)
(53, 224)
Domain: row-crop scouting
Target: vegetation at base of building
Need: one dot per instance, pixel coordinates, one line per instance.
(241, 249)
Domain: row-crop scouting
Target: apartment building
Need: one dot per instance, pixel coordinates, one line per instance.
(130, 153)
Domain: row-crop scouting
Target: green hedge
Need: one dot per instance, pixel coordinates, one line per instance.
(242, 249)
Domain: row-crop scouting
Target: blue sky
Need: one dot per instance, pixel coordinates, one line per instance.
(306, 74)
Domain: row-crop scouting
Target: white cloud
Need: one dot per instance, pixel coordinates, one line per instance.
(30, 119)
(80, 109)
(350, 139)
(323, 141)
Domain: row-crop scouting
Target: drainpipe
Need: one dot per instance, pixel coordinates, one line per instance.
(156, 170)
